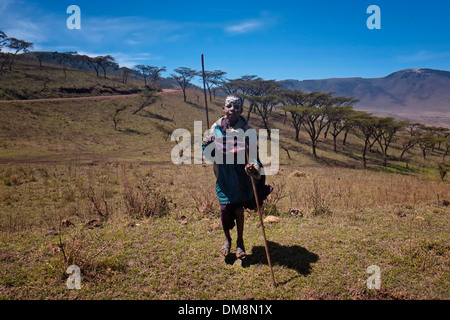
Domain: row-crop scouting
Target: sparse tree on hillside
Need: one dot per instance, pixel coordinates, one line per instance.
(443, 169)
(63, 59)
(105, 62)
(441, 133)
(292, 100)
(426, 142)
(213, 79)
(428, 139)
(155, 72)
(365, 127)
(146, 98)
(125, 72)
(253, 86)
(92, 62)
(3, 42)
(16, 46)
(152, 72)
(314, 115)
(384, 133)
(39, 56)
(184, 76)
(116, 118)
(3, 37)
(229, 86)
(264, 106)
(338, 119)
(144, 70)
(102, 62)
(408, 137)
(446, 148)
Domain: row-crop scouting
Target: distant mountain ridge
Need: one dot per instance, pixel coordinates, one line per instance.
(409, 94)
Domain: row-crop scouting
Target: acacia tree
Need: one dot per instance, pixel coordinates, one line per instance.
(39, 56)
(146, 98)
(292, 100)
(314, 115)
(116, 118)
(91, 61)
(105, 62)
(125, 72)
(426, 142)
(254, 86)
(384, 132)
(102, 62)
(365, 127)
(334, 114)
(144, 70)
(184, 76)
(241, 86)
(408, 138)
(446, 148)
(229, 86)
(17, 45)
(3, 39)
(3, 42)
(263, 96)
(429, 137)
(63, 58)
(264, 106)
(339, 120)
(442, 134)
(155, 72)
(213, 79)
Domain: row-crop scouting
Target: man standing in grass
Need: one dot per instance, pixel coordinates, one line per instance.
(233, 185)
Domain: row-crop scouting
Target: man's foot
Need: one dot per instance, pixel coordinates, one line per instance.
(225, 251)
(240, 250)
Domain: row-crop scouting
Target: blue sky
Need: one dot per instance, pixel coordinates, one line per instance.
(272, 39)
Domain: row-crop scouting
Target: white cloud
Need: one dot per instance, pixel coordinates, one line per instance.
(26, 30)
(20, 19)
(126, 59)
(245, 27)
(265, 20)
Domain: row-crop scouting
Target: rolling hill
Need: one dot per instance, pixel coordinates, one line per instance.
(414, 94)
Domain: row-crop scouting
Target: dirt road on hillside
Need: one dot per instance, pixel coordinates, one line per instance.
(83, 98)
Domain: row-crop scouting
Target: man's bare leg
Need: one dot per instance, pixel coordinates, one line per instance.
(240, 249)
(227, 243)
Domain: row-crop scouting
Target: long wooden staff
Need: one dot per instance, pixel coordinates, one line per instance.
(260, 219)
(204, 90)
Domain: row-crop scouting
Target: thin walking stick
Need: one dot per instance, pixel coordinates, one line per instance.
(204, 90)
(260, 219)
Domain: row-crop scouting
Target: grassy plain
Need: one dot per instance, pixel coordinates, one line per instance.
(74, 191)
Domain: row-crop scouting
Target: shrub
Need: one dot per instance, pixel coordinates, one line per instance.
(318, 200)
(270, 209)
(99, 202)
(443, 169)
(143, 201)
(270, 206)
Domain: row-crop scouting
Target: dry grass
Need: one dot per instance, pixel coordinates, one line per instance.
(319, 256)
(349, 189)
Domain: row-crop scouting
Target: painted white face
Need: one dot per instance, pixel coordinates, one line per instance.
(232, 108)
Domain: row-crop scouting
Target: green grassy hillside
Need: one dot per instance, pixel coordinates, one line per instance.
(26, 81)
